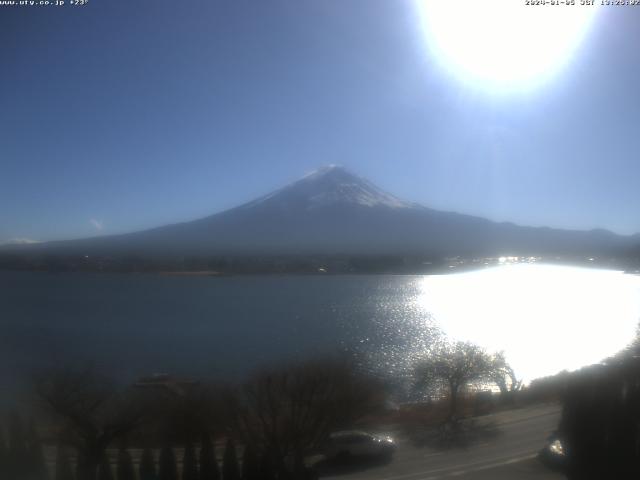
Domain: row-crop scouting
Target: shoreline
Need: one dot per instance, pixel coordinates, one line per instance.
(461, 267)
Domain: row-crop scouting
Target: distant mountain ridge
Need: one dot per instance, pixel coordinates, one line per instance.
(333, 211)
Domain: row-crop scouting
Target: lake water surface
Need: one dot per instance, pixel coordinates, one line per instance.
(545, 318)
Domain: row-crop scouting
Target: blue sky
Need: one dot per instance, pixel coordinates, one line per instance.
(122, 115)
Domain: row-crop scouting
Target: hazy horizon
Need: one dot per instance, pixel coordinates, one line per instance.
(101, 232)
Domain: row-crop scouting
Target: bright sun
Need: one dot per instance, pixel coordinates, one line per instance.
(503, 43)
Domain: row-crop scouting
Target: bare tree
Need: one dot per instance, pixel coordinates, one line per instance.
(182, 411)
(93, 412)
(450, 367)
(503, 376)
(290, 411)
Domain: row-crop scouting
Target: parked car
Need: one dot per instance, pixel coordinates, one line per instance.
(553, 454)
(355, 443)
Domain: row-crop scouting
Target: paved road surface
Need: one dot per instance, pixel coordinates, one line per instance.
(509, 455)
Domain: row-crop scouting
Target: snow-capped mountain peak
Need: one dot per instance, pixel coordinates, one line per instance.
(328, 186)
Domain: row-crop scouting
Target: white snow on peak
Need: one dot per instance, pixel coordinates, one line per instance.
(323, 171)
(342, 186)
(331, 185)
(360, 193)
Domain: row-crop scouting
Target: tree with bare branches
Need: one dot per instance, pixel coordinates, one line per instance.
(451, 367)
(92, 412)
(289, 412)
(503, 375)
(182, 411)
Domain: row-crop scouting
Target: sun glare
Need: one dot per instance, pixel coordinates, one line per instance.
(545, 318)
(503, 43)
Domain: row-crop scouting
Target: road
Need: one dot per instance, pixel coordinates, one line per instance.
(511, 454)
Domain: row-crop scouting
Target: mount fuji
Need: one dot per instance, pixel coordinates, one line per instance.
(333, 211)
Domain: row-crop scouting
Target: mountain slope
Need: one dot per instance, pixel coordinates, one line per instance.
(332, 211)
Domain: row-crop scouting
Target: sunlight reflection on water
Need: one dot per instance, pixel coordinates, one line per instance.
(546, 318)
